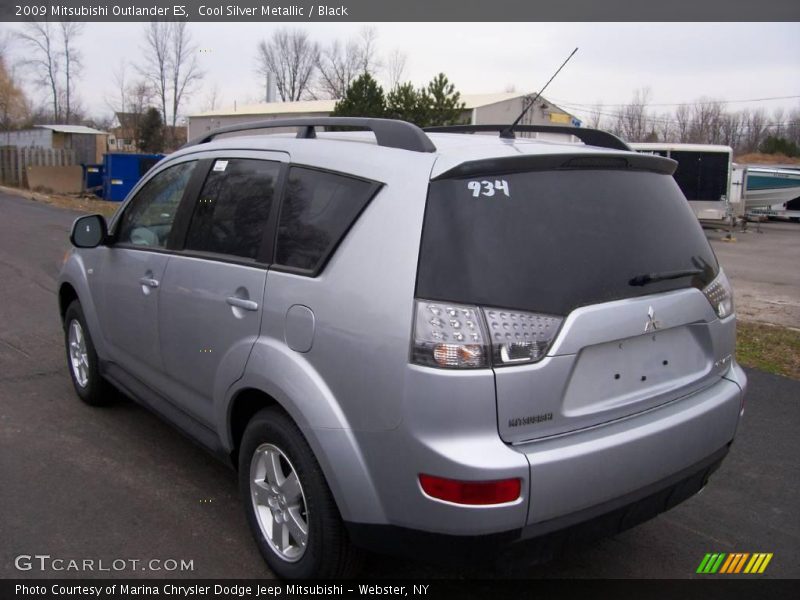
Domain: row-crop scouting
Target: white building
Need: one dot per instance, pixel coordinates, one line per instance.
(481, 109)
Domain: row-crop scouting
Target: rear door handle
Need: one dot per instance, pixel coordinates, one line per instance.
(149, 282)
(242, 303)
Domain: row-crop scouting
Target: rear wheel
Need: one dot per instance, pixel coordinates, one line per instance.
(289, 506)
(82, 359)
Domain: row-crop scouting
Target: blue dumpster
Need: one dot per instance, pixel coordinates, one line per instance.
(123, 171)
(93, 179)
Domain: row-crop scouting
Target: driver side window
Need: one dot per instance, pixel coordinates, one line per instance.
(148, 219)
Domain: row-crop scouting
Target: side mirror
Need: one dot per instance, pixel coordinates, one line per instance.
(89, 231)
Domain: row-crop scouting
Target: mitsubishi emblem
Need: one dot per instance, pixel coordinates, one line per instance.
(651, 324)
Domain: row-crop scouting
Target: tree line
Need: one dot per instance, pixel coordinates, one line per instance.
(153, 89)
(705, 121)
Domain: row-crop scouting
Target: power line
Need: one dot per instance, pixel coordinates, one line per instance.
(651, 118)
(703, 102)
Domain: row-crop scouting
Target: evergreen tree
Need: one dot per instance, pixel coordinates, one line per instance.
(779, 145)
(150, 132)
(407, 104)
(364, 98)
(443, 103)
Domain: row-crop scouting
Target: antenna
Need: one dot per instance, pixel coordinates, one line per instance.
(508, 133)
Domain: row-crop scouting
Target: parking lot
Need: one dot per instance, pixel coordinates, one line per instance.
(117, 483)
(762, 262)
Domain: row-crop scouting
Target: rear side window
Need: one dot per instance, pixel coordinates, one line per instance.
(558, 240)
(318, 209)
(233, 208)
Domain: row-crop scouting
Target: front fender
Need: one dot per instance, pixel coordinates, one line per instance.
(76, 272)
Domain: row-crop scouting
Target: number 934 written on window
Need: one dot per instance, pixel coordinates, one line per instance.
(488, 188)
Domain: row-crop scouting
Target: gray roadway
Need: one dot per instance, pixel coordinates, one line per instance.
(118, 483)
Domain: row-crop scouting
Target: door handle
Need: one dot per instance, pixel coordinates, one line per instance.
(149, 282)
(242, 303)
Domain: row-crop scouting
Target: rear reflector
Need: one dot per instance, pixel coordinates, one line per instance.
(471, 492)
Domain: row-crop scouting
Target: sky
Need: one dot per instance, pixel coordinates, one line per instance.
(678, 62)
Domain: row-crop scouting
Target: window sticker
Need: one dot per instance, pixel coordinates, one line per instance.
(220, 165)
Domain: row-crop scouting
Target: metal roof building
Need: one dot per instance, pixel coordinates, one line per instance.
(479, 109)
(89, 144)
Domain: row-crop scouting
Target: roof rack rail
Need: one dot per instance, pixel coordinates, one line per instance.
(390, 133)
(590, 137)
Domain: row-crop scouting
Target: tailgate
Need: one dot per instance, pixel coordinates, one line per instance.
(603, 366)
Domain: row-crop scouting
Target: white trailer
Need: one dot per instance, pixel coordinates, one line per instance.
(707, 177)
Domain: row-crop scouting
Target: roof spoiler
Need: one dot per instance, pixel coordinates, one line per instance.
(590, 137)
(552, 162)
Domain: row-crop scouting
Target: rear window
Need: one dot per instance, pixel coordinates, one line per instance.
(551, 241)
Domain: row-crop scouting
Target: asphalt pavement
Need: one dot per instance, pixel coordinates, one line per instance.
(118, 484)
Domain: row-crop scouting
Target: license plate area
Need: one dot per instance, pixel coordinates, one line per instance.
(636, 373)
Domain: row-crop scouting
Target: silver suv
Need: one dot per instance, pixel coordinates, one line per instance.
(415, 341)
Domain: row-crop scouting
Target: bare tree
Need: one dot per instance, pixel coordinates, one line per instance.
(292, 58)
(683, 123)
(40, 39)
(596, 115)
(793, 126)
(117, 102)
(140, 97)
(156, 66)
(368, 51)
(664, 126)
(706, 121)
(756, 124)
(338, 64)
(70, 30)
(184, 69)
(170, 66)
(731, 129)
(213, 99)
(396, 68)
(633, 120)
(778, 116)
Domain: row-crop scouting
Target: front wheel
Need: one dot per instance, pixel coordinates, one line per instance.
(289, 506)
(82, 359)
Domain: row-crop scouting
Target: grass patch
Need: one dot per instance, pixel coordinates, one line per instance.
(769, 348)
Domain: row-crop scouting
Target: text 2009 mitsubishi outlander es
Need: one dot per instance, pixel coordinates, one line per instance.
(404, 337)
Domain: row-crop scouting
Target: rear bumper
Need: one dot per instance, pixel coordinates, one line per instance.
(575, 472)
(543, 540)
(565, 480)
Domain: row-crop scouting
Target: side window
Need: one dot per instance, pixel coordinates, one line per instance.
(149, 217)
(233, 207)
(317, 211)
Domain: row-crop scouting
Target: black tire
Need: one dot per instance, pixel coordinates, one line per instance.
(96, 391)
(327, 552)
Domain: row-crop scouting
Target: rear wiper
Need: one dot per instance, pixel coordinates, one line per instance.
(663, 276)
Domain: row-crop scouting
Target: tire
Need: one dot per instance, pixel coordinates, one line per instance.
(89, 384)
(310, 538)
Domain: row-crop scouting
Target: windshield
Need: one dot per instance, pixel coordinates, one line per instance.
(551, 241)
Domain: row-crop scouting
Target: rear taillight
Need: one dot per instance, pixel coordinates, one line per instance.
(519, 337)
(475, 493)
(467, 337)
(720, 295)
(449, 335)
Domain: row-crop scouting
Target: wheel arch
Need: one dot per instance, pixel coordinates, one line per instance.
(335, 448)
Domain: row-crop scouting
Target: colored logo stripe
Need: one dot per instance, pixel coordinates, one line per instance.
(721, 562)
(758, 563)
(711, 563)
